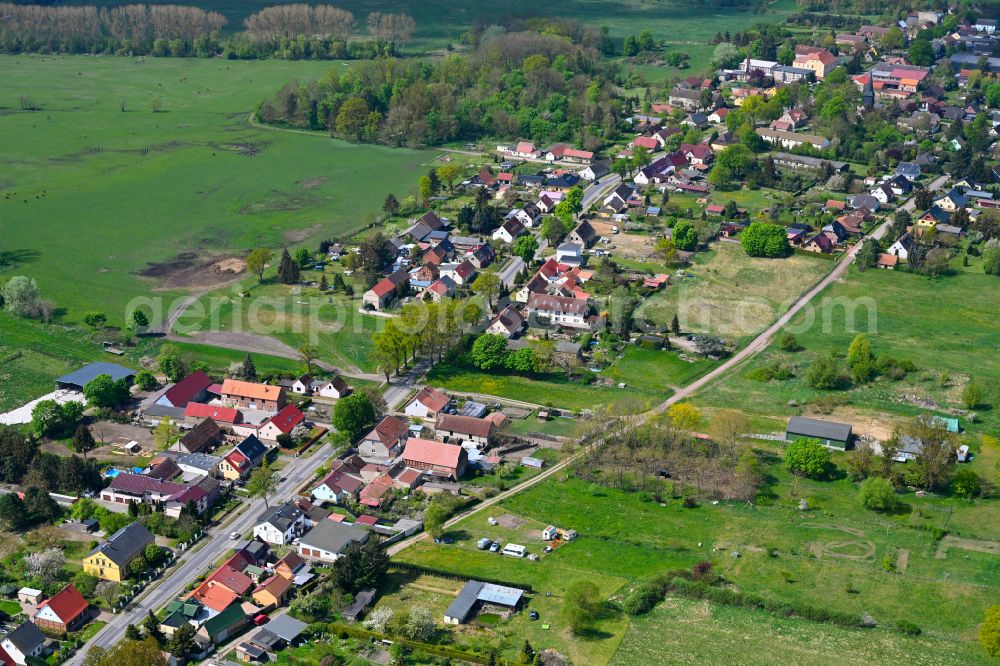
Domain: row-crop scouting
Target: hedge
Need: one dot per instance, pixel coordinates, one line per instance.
(409, 567)
(728, 597)
(337, 628)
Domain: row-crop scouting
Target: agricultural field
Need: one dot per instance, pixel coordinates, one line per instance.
(732, 295)
(183, 191)
(939, 325)
(835, 551)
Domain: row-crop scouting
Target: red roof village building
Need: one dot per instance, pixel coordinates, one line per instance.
(198, 411)
(647, 142)
(382, 294)
(282, 423)
(66, 611)
(250, 395)
(436, 458)
(193, 387)
(427, 403)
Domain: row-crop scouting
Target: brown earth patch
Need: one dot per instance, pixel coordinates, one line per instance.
(190, 270)
(311, 183)
(632, 246)
(299, 235)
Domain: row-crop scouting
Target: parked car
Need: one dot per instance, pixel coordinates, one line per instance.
(495, 547)
(260, 619)
(483, 544)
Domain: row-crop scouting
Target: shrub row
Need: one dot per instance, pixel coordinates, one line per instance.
(409, 567)
(728, 597)
(438, 650)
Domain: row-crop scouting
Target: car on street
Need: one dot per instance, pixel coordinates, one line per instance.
(233, 536)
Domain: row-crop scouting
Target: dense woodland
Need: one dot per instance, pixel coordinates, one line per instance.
(512, 84)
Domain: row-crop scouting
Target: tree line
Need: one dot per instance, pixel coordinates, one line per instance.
(522, 84)
(297, 31)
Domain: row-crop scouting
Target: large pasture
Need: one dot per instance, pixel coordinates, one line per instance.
(91, 194)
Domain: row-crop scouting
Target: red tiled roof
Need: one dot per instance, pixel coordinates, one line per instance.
(432, 399)
(251, 390)
(366, 520)
(389, 430)
(430, 452)
(646, 142)
(287, 418)
(67, 604)
(184, 391)
(465, 425)
(199, 410)
(216, 597)
(232, 579)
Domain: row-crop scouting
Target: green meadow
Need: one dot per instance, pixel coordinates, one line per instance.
(947, 327)
(91, 195)
(833, 555)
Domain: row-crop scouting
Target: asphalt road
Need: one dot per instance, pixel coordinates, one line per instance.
(206, 553)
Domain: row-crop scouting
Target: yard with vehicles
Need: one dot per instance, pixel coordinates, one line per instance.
(835, 551)
(220, 185)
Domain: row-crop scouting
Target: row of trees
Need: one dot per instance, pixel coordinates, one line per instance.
(430, 329)
(293, 31)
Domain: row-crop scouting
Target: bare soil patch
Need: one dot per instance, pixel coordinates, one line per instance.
(632, 246)
(190, 270)
(990, 547)
(311, 183)
(299, 235)
(510, 521)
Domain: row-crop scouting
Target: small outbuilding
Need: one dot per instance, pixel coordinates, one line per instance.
(829, 433)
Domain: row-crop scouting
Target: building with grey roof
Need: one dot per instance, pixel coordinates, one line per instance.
(76, 380)
(328, 540)
(476, 596)
(829, 433)
(126, 544)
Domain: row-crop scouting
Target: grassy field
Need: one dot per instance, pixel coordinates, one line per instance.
(732, 295)
(440, 22)
(694, 632)
(831, 555)
(939, 325)
(91, 195)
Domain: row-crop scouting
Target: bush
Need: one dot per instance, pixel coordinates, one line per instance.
(878, 494)
(642, 599)
(762, 239)
(908, 628)
(789, 343)
(806, 456)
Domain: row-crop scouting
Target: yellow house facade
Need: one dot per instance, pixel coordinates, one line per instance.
(111, 560)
